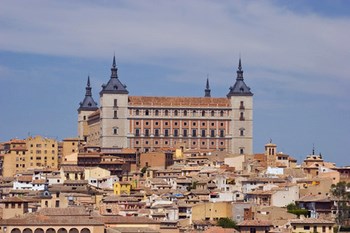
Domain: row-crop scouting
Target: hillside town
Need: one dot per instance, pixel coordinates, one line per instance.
(167, 164)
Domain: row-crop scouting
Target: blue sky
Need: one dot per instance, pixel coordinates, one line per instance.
(295, 56)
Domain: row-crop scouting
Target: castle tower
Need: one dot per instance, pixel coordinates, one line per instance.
(86, 107)
(114, 112)
(207, 89)
(241, 128)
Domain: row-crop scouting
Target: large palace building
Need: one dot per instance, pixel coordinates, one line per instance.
(147, 123)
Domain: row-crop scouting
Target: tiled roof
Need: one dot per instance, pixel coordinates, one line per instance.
(24, 179)
(72, 169)
(13, 199)
(256, 223)
(70, 211)
(152, 101)
(126, 220)
(311, 221)
(216, 229)
(42, 220)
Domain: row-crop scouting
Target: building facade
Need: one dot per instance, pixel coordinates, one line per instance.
(147, 123)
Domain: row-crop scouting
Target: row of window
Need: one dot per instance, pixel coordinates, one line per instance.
(241, 117)
(185, 113)
(185, 123)
(203, 143)
(39, 145)
(176, 133)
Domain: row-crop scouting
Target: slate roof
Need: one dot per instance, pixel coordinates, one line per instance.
(114, 85)
(239, 88)
(88, 103)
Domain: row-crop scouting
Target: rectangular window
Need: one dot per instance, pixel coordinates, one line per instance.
(115, 131)
(137, 132)
(194, 133)
(203, 133)
(166, 132)
(176, 132)
(156, 132)
(212, 133)
(115, 114)
(306, 227)
(146, 132)
(222, 133)
(185, 133)
(115, 103)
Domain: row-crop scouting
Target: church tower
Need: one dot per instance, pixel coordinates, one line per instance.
(114, 112)
(86, 107)
(241, 128)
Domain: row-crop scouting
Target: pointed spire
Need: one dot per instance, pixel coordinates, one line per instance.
(114, 69)
(114, 63)
(88, 88)
(239, 71)
(207, 89)
(88, 81)
(240, 65)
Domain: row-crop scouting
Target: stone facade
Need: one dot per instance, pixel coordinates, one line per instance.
(148, 123)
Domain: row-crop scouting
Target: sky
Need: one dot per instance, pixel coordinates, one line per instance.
(295, 56)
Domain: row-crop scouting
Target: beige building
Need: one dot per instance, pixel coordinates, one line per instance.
(31, 153)
(70, 146)
(42, 152)
(147, 123)
(14, 158)
(310, 225)
(211, 211)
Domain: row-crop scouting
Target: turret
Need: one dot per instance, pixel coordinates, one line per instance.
(86, 107)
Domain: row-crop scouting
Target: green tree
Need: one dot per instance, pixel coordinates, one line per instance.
(339, 191)
(227, 223)
(294, 209)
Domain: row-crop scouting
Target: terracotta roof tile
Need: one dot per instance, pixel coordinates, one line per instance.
(178, 101)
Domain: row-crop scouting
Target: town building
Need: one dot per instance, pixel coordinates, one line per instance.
(147, 123)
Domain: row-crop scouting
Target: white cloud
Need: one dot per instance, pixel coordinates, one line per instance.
(196, 35)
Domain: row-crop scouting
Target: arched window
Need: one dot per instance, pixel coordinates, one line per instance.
(241, 117)
(85, 230)
(176, 113)
(221, 113)
(203, 113)
(185, 113)
(39, 230)
(147, 112)
(166, 113)
(50, 230)
(73, 230)
(212, 113)
(241, 131)
(137, 112)
(16, 230)
(27, 230)
(157, 112)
